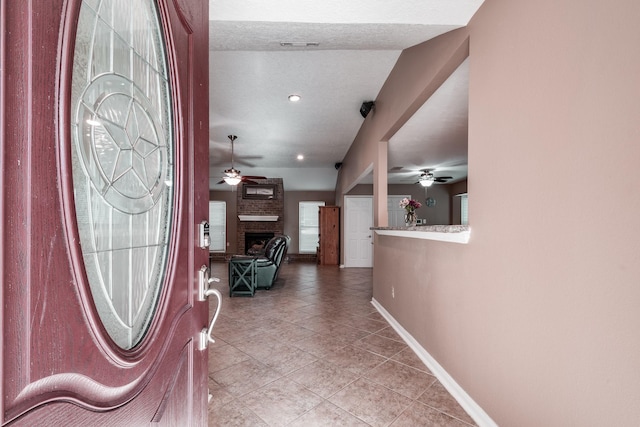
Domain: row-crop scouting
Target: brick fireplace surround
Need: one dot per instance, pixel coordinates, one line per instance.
(260, 208)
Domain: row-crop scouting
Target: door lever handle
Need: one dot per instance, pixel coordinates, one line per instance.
(205, 334)
(204, 292)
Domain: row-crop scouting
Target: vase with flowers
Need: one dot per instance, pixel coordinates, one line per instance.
(410, 205)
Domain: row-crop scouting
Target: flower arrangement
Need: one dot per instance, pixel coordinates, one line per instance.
(410, 205)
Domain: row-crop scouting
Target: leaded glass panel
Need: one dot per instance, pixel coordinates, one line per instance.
(123, 160)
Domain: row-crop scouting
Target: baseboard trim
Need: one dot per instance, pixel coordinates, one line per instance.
(468, 404)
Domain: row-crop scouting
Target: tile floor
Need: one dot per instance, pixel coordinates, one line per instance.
(313, 351)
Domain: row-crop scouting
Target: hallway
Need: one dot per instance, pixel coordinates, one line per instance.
(313, 351)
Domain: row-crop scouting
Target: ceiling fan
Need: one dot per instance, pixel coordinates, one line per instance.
(232, 176)
(427, 178)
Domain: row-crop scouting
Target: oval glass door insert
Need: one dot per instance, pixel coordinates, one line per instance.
(123, 160)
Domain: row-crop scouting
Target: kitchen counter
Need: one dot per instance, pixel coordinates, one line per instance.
(443, 233)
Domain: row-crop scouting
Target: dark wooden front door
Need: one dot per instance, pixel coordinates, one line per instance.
(104, 178)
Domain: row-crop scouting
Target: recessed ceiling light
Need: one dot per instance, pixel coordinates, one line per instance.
(294, 98)
(300, 157)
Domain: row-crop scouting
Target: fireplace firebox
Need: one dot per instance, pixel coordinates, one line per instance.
(254, 242)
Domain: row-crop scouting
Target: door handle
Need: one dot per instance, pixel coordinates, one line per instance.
(204, 292)
(205, 334)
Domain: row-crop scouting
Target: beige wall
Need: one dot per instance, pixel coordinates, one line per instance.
(537, 317)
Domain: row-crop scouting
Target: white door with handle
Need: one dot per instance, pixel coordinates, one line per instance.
(358, 237)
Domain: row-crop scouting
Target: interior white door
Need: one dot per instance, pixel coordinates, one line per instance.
(358, 233)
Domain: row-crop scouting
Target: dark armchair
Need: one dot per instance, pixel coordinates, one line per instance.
(268, 265)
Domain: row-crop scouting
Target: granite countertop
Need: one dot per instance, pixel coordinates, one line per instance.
(429, 228)
(444, 233)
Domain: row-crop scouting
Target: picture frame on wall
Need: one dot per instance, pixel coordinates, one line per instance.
(259, 191)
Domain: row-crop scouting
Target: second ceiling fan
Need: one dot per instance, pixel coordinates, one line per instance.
(427, 178)
(232, 176)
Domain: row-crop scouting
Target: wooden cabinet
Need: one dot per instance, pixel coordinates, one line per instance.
(329, 235)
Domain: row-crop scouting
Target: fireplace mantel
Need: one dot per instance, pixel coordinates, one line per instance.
(258, 217)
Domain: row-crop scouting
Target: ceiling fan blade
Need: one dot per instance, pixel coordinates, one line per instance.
(245, 163)
(220, 182)
(248, 181)
(399, 169)
(253, 177)
(442, 178)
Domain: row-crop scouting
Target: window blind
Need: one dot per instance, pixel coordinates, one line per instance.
(308, 226)
(218, 226)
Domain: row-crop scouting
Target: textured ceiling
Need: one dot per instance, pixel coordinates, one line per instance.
(358, 44)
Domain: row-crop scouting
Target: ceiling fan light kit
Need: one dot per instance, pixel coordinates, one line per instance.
(232, 180)
(426, 181)
(232, 175)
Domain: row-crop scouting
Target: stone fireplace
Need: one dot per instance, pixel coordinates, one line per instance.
(258, 218)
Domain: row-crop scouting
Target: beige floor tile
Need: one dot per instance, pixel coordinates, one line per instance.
(439, 398)
(323, 378)
(321, 345)
(356, 360)
(290, 332)
(233, 414)
(259, 346)
(380, 345)
(372, 403)
(245, 377)
(422, 415)
(409, 358)
(313, 351)
(376, 316)
(328, 415)
(221, 395)
(359, 322)
(389, 332)
(287, 359)
(281, 402)
(222, 356)
(400, 378)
